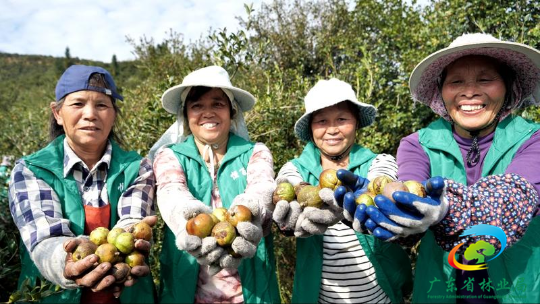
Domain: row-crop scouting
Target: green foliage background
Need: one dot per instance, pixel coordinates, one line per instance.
(281, 49)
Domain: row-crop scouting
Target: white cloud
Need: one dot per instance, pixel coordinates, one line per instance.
(97, 29)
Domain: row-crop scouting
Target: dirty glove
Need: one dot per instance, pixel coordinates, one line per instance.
(316, 220)
(286, 215)
(411, 214)
(352, 186)
(249, 233)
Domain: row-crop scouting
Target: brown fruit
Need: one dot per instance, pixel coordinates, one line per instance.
(125, 242)
(201, 225)
(415, 187)
(142, 230)
(377, 184)
(83, 250)
(299, 187)
(309, 197)
(98, 236)
(134, 259)
(365, 199)
(284, 191)
(220, 213)
(392, 187)
(113, 234)
(224, 233)
(120, 272)
(106, 253)
(239, 213)
(328, 179)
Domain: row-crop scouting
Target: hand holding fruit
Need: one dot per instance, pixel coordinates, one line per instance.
(402, 213)
(315, 220)
(245, 214)
(347, 194)
(80, 265)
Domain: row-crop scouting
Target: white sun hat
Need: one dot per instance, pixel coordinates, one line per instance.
(173, 101)
(523, 59)
(327, 93)
(211, 76)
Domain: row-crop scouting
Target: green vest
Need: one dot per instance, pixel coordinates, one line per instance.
(391, 262)
(180, 270)
(519, 265)
(47, 164)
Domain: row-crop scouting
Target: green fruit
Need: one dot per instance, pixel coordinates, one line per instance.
(135, 259)
(415, 187)
(284, 191)
(98, 236)
(308, 196)
(113, 234)
(83, 250)
(125, 242)
(377, 184)
(142, 230)
(328, 179)
(299, 187)
(365, 199)
(106, 253)
(225, 233)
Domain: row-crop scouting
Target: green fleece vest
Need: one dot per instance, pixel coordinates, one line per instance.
(519, 265)
(47, 164)
(391, 262)
(180, 270)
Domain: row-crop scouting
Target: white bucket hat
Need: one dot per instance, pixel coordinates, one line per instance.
(211, 76)
(523, 59)
(173, 100)
(327, 93)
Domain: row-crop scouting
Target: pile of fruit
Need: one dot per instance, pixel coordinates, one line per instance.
(117, 247)
(305, 194)
(386, 186)
(221, 224)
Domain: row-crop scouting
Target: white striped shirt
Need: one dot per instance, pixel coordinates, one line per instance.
(347, 274)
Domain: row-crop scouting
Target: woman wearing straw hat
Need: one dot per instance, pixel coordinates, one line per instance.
(206, 162)
(334, 264)
(489, 157)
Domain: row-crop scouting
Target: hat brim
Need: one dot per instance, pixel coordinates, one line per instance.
(171, 98)
(524, 60)
(302, 127)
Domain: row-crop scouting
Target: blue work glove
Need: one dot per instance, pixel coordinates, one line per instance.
(352, 186)
(411, 214)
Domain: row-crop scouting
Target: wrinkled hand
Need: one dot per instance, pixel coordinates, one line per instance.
(410, 214)
(352, 186)
(286, 215)
(84, 272)
(316, 220)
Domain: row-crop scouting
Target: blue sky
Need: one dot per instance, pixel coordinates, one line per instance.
(97, 29)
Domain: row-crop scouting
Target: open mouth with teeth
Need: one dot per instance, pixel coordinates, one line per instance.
(209, 125)
(472, 107)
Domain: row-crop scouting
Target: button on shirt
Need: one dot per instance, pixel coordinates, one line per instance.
(36, 208)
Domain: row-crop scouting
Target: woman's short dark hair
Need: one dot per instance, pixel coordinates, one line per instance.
(96, 80)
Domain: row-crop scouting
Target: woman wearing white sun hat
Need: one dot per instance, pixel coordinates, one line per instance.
(205, 161)
(334, 264)
(489, 157)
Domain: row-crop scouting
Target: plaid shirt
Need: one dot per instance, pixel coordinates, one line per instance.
(36, 208)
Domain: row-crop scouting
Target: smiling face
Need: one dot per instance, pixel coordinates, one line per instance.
(87, 118)
(334, 129)
(473, 92)
(209, 117)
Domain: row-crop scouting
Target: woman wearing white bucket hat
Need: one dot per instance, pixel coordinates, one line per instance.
(489, 158)
(205, 161)
(335, 264)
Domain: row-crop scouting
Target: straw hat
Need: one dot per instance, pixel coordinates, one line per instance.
(327, 93)
(523, 59)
